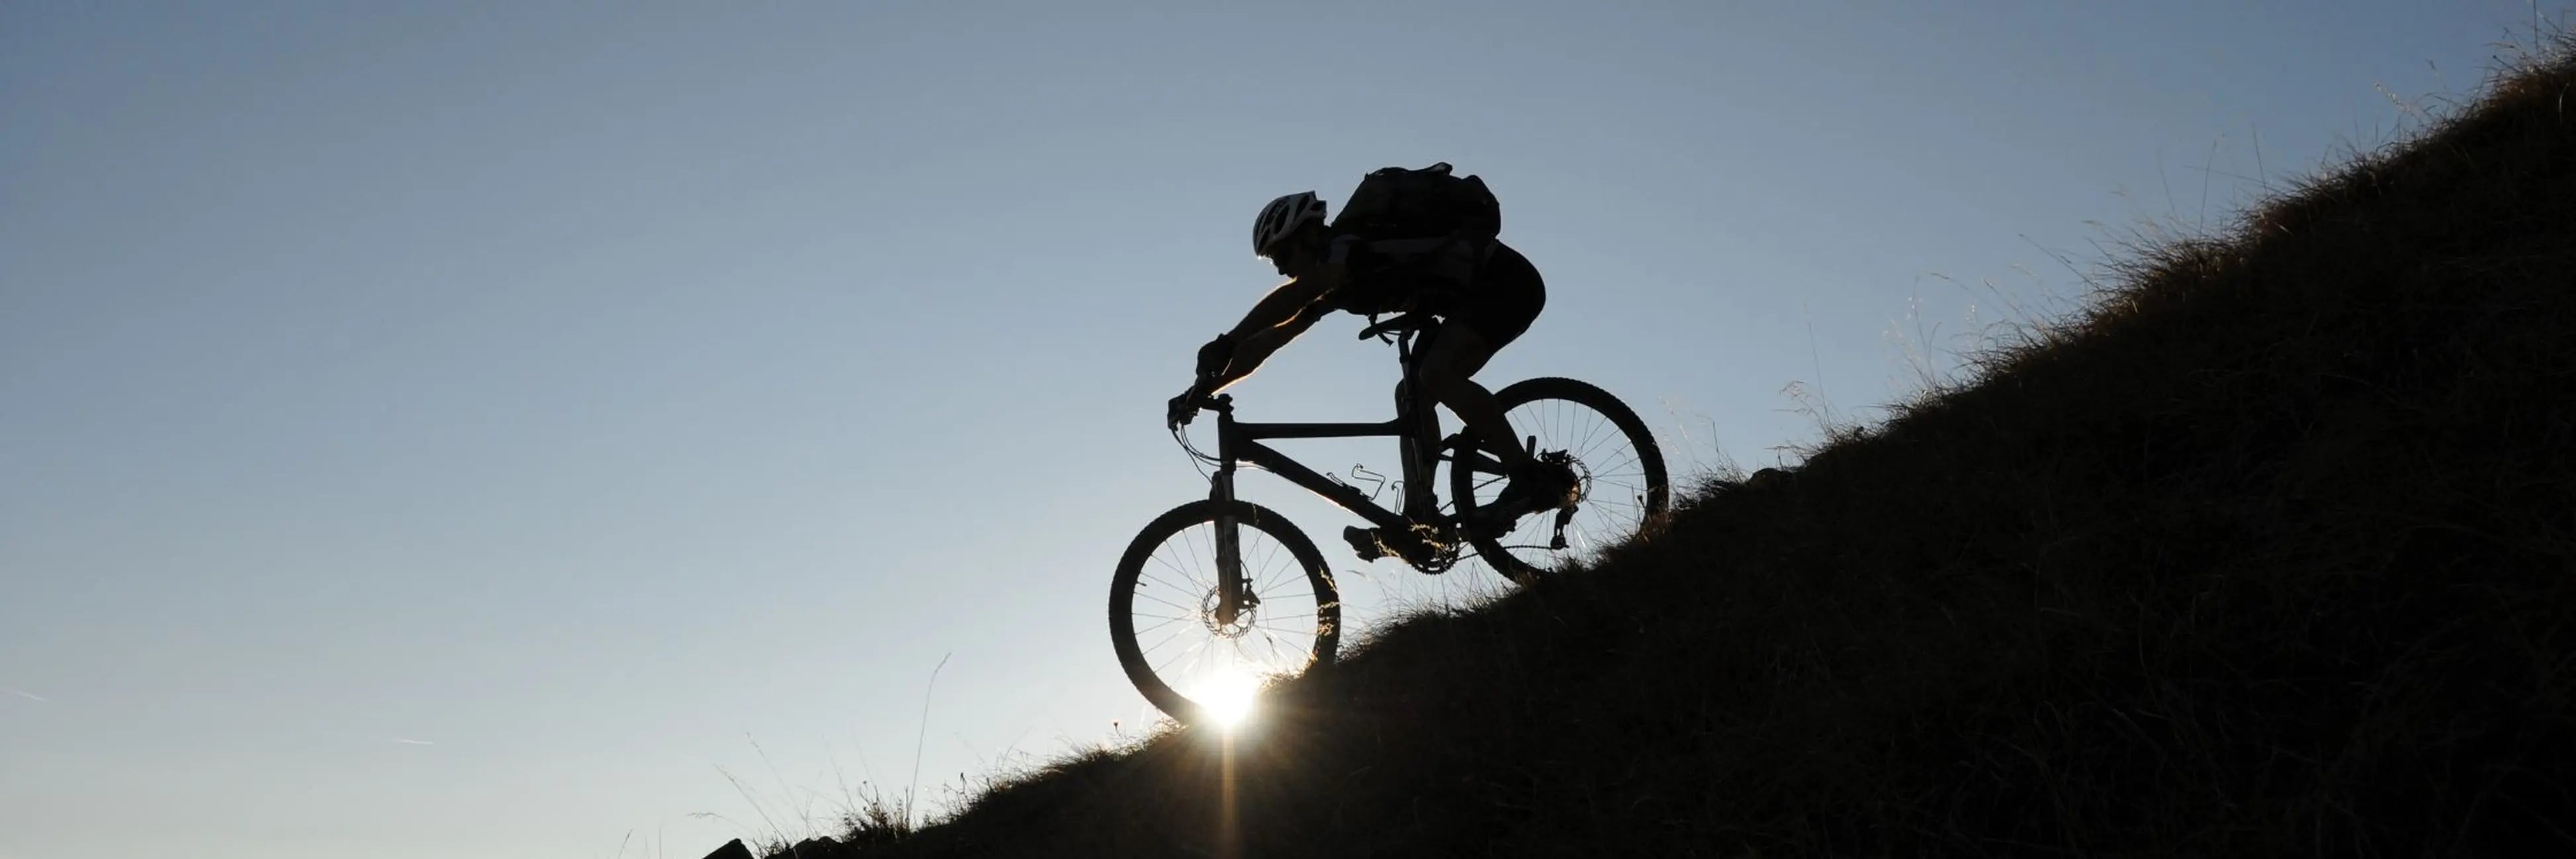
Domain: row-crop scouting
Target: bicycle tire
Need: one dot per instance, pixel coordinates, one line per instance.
(1653, 494)
(1132, 573)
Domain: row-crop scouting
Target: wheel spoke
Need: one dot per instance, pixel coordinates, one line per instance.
(1194, 580)
(1192, 651)
(1185, 610)
(1191, 544)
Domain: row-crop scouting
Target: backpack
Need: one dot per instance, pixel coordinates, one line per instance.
(1396, 203)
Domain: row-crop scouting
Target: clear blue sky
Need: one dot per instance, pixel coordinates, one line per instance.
(460, 430)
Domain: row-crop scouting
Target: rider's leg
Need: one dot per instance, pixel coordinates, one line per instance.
(1447, 357)
(1480, 320)
(1446, 367)
(1506, 298)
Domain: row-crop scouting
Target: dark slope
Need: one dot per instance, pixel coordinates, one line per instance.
(2273, 553)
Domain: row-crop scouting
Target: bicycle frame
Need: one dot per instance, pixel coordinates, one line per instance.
(1239, 442)
(1416, 426)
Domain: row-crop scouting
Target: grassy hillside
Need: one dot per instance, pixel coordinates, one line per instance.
(2271, 553)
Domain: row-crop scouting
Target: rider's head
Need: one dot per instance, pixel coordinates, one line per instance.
(1290, 233)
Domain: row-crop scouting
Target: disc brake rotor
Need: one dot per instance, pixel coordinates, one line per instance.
(1242, 615)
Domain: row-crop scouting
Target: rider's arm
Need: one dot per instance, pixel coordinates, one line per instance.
(1255, 349)
(1283, 305)
(1276, 319)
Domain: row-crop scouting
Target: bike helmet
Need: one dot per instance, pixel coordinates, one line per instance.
(1284, 216)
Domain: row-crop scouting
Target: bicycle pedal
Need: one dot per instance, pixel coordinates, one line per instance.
(1371, 545)
(1364, 542)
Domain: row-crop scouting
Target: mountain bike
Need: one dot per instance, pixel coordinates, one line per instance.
(1247, 597)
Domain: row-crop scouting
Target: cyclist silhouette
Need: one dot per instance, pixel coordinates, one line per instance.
(1484, 293)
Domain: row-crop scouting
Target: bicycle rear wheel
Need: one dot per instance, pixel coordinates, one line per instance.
(1615, 460)
(1163, 610)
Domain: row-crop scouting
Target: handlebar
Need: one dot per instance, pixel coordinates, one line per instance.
(1190, 403)
(1213, 403)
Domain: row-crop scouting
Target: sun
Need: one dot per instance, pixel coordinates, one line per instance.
(1228, 698)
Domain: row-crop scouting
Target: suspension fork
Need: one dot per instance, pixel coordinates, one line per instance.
(1232, 596)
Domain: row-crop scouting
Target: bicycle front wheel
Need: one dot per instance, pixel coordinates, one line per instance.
(1165, 621)
(1616, 464)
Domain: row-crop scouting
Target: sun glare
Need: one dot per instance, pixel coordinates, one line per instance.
(1228, 698)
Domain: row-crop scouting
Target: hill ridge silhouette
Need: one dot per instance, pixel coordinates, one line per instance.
(2271, 552)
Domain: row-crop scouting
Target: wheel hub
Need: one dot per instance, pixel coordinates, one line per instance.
(1582, 473)
(1243, 614)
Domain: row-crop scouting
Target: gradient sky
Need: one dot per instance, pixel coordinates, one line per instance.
(477, 429)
